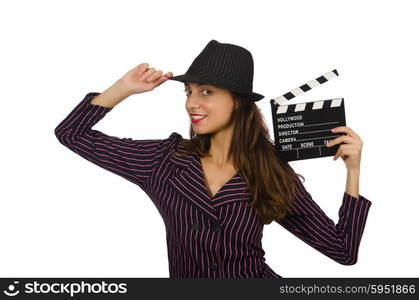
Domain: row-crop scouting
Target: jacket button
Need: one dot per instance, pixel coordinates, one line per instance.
(214, 265)
(215, 226)
(195, 226)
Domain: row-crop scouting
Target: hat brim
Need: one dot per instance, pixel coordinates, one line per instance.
(213, 81)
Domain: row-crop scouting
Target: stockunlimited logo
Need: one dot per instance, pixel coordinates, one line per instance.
(11, 289)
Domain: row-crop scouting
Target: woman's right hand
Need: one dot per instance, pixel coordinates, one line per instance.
(143, 79)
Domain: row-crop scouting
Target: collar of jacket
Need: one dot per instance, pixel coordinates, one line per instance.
(188, 180)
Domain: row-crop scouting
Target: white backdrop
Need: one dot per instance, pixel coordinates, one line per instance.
(62, 216)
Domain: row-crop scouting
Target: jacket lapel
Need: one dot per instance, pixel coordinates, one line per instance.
(188, 180)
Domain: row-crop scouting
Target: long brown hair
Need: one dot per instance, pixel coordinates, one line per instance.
(270, 180)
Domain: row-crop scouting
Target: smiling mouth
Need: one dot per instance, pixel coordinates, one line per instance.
(196, 119)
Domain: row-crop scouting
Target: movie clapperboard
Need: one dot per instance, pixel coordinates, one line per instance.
(302, 130)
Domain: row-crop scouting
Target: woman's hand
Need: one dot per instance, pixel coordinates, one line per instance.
(143, 79)
(350, 150)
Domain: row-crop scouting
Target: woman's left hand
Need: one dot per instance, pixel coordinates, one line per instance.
(350, 150)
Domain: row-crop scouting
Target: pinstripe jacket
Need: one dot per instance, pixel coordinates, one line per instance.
(220, 236)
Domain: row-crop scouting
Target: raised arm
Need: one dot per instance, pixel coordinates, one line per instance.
(131, 159)
(340, 241)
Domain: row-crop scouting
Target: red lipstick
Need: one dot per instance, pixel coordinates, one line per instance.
(197, 120)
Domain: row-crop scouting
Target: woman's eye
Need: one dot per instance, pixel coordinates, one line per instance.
(208, 92)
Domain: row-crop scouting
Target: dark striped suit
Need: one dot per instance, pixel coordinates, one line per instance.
(218, 236)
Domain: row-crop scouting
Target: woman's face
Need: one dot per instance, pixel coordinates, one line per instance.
(215, 103)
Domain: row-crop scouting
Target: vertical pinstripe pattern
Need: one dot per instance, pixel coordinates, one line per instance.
(220, 236)
(232, 63)
(340, 242)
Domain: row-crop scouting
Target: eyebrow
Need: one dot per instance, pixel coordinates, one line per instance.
(198, 84)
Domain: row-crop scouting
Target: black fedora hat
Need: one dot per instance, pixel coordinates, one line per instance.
(224, 65)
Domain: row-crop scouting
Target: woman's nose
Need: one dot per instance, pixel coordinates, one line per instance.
(193, 102)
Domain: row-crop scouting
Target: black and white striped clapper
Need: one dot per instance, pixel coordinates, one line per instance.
(302, 130)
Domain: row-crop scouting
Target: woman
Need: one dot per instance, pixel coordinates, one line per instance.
(216, 190)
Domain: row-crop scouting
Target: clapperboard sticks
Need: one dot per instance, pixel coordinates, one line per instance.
(302, 130)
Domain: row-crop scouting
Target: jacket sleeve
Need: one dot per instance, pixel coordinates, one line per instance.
(340, 242)
(131, 159)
